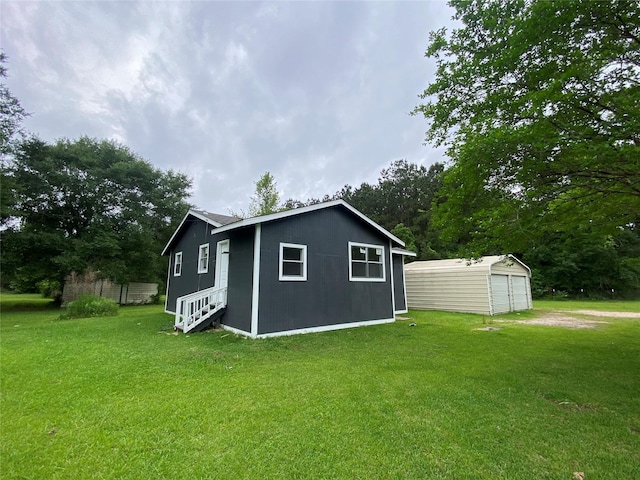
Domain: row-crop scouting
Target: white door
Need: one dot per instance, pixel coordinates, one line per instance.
(520, 293)
(500, 294)
(222, 264)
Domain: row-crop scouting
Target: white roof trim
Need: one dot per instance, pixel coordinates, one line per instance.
(400, 251)
(514, 259)
(193, 214)
(482, 263)
(298, 211)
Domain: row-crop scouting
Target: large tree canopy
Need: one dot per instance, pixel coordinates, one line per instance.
(539, 105)
(11, 133)
(88, 204)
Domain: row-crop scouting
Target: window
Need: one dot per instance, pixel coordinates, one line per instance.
(177, 265)
(203, 258)
(293, 262)
(366, 263)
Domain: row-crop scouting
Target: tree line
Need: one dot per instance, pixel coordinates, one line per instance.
(73, 206)
(537, 103)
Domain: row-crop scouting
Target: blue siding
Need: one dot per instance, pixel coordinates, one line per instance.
(195, 233)
(398, 283)
(240, 286)
(327, 297)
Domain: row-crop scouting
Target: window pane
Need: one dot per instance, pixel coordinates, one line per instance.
(375, 270)
(358, 269)
(358, 253)
(291, 269)
(375, 254)
(289, 253)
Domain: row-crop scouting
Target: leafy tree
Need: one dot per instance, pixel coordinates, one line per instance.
(11, 117)
(405, 234)
(538, 103)
(266, 199)
(583, 263)
(404, 194)
(89, 204)
(11, 114)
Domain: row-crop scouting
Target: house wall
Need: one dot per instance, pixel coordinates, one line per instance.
(327, 297)
(398, 283)
(451, 290)
(195, 233)
(240, 281)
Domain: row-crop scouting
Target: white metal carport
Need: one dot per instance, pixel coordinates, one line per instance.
(489, 285)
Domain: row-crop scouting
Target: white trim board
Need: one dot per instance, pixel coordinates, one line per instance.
(237, 331)
(326, 328)
(255, 294)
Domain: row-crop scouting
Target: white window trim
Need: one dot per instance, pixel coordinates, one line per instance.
(204, 247)
(289, 278)
(177, 264)
(363, 279)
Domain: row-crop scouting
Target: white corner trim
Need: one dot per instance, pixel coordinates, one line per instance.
(327, 328)
(391, 275)
(255, 295)
(401, 311)
(166, 291)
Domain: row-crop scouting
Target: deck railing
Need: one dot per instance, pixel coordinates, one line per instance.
(195, 308)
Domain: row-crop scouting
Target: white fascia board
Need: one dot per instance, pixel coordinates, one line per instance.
(193, 214)
(298, 211)
(406, 253)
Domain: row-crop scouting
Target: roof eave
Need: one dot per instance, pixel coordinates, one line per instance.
(311, 208)
(195, 214)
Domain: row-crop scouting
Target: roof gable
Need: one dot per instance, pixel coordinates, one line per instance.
(311, 208)
(214, 219)
(232, 223)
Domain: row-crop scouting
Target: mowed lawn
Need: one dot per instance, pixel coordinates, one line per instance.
(123, 397)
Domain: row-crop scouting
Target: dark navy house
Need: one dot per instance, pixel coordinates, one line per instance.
(316, 268)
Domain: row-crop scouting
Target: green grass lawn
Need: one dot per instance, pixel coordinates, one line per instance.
(605, 305)
(122, 397)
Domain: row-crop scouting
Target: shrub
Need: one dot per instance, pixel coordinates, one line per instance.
(90, 306)
(49, 288)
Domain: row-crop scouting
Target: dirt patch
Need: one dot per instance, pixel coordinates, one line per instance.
(557, 319)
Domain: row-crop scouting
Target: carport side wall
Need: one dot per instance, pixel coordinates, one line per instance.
(453, 290)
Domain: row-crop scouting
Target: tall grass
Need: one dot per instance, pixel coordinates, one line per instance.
(124, 397)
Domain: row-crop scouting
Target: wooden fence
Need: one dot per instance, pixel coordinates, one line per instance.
(129, 294)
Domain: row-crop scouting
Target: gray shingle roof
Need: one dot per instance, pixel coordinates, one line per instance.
(216, 217)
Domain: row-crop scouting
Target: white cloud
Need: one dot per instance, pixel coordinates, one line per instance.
(316, 93)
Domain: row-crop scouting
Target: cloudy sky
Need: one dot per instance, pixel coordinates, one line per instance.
(318, 94)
